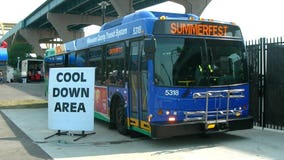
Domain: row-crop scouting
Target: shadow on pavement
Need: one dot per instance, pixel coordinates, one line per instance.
(33, 149)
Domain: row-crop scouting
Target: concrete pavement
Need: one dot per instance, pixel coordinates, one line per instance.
(19, 94)
(15, 144)
(253, 144)
(108, 144)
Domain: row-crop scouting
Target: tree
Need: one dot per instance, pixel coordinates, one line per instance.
(18, 50)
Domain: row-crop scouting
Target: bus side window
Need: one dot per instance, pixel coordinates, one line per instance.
(115, 65)
(115, 72)
(71, 59)
(99, 71)
(81, 59)
(95, 60)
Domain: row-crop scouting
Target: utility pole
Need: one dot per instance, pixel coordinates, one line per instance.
(18, 63)
(103, 5)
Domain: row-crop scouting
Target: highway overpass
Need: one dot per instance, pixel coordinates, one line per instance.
(65, 19)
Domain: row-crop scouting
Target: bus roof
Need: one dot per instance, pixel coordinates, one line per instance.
(140, 15)
(130, 26)
(140, 23)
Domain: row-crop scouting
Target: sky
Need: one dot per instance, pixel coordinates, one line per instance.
(257, 18)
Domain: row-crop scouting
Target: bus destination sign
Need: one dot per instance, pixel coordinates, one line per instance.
(197, 29)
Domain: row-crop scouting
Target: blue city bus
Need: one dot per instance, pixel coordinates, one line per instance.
(165, 74)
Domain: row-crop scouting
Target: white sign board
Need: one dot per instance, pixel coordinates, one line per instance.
(71, 99)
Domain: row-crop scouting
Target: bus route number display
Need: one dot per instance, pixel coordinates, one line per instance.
(71, 99)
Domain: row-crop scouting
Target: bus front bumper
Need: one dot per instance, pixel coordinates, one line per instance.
(189, 128)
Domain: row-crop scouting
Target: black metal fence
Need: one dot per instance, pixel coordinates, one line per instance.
(266, 66)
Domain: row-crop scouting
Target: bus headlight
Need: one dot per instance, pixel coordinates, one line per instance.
(168, 113)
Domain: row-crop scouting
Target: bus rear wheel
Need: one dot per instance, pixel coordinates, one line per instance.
(121, 120)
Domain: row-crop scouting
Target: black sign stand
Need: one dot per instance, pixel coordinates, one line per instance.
(82, 135)
(59, 133)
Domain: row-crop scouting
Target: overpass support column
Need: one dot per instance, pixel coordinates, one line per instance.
(123, 7)
(62, 21)
(33, 37)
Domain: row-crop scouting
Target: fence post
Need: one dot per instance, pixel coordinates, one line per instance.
(262, 66)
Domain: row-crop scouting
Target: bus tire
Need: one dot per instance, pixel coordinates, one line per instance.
(112, 124)
(121, 120)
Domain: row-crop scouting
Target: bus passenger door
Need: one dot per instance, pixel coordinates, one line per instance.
(138, 86)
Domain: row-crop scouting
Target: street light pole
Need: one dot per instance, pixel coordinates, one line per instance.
(18, 63)
(103, 5)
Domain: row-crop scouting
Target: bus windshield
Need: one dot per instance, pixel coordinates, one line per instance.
(199, 62)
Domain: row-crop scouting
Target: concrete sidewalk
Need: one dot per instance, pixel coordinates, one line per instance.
(108, 144)
(15, 144)
(253, 144)
(34, 123)
(22, 95)
(22, 91)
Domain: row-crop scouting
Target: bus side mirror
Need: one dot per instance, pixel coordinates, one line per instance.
(150, 46)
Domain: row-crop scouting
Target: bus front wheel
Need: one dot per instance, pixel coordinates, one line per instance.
(121, 120)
